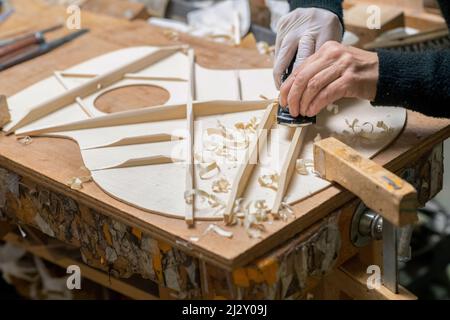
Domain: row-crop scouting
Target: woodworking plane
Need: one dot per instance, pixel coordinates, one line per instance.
(283, 115)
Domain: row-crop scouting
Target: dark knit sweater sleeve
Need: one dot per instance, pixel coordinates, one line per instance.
(417, 81)
(334, 6)
(445, 9)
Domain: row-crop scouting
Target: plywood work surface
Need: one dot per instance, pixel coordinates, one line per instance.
(53, 161)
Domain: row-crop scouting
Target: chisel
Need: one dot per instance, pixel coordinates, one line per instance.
(39, 50)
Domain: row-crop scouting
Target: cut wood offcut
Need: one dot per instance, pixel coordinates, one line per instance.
(139, 156)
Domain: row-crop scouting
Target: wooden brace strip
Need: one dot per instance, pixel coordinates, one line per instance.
(132, 76)
(190, 185)
(251, 158)
(150, 138)
(154, 114)
(380, 189)
(145, 161)
(288, 167)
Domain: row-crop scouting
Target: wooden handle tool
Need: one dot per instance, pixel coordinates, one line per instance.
(381, 190)
(33, 39)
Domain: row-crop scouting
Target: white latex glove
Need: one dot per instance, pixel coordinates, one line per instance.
(305, 29)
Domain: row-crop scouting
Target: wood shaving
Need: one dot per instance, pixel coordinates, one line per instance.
(253, 221)
(201, 158)
(25, 140)
(194, 238)
(318, 138)
(76, 183)
(363, 133)
(384, 127)
(286, 211)
(264, 48)
(269, 181)
(211, 200)
(333, 108)
(222, 151)
(301, 166)
(171, 35)
(251, 216)
(252, 125)
(221, 185)
(237, 138)
(218, 230)
(258, 209)
(365, 130)
(254, 233)
(209, 170)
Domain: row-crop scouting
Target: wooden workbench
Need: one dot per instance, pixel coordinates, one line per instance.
(91, 220)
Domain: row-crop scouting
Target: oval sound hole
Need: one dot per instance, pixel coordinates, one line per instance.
(131, 97)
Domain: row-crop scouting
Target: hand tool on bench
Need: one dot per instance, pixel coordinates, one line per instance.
(20, 42)
(379, 189)
(13, 59)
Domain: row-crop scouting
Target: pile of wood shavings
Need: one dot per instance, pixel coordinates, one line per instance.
(363, 133)
(251, 217)
(231, 139)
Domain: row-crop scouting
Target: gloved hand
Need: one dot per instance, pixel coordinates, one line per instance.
(335, 71)
(303, 30)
